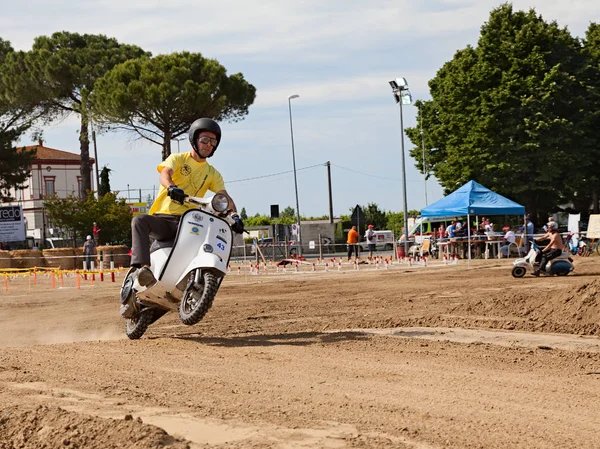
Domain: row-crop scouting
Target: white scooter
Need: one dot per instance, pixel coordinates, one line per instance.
(560, 266)
(188, 270)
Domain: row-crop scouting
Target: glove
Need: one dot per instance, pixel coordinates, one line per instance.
(238, 225)
(176, 194)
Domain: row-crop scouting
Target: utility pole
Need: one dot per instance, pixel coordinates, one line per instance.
(328, 164)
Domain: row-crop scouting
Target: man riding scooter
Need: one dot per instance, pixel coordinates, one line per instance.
(552, 250)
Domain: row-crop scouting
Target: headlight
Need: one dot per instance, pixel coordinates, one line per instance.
(220, 203)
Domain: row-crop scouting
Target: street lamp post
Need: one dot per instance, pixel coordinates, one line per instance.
(402, 96)
(178, 140)
(290, 98)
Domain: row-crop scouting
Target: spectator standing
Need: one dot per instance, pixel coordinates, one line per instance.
(528, 230)
(451, 234)
(352, 242)
(96, 233)
(371, 240)
(441, 232)
(89, 249)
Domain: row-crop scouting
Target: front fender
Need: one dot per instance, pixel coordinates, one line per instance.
(205, 261)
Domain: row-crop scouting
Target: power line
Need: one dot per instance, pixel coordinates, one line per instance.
(275, 174)
(369, 175)
(287, 172)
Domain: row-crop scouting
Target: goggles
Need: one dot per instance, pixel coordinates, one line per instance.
(208, 140)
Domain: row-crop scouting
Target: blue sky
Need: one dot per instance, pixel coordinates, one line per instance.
(338, 56)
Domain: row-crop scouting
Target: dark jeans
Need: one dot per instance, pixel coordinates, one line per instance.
(548, 256)
(88, 261)
(352, 247)
(159, 227)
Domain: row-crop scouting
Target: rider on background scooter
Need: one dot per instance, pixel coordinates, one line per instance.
(552, 250)
(180, 174)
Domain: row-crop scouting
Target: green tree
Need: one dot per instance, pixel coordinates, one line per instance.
(374, 216)
(18, 111)
(76, 216)
(287, 216)
(15, 164)
(586, 180)
(395, 221)
(62, 69)
(508, 113)
(104, 186)
(243, 214)
(159, 98)
(258, 220)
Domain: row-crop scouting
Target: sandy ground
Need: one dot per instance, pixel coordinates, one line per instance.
(408, 357)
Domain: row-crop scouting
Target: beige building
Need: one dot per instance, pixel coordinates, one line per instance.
(52, 172)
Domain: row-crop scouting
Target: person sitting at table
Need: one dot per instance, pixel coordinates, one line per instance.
(509, 237)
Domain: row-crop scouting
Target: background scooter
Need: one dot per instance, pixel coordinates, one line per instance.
(560, 266)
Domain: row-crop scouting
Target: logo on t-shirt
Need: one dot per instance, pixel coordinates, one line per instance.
(186, 170)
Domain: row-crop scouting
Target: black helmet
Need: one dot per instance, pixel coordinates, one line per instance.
(204, 124)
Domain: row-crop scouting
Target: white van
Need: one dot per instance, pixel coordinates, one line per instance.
(385, 241)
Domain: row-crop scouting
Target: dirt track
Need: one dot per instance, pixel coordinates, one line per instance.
(438, 357)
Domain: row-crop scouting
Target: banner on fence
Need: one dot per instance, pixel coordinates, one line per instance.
(593, 230)
(12, 228)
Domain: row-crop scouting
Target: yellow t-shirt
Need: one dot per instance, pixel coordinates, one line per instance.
(194, 177)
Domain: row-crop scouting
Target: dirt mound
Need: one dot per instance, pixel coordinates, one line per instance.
(54, 427)
(569, 309)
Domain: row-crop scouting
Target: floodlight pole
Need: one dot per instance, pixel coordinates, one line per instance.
(299, 250)
(404, 201)
(400, 89)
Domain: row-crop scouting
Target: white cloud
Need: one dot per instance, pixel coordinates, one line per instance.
(361, 87)
(270, 28)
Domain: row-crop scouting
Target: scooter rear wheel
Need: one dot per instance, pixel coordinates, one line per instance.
(519, 272)
(136, 326)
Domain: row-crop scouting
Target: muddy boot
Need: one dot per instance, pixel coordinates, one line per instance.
(145, 277)
(128, 306)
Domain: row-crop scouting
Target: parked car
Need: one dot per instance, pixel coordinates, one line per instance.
(55, 242)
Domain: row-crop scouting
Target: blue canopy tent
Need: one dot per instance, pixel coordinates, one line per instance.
(472, 199)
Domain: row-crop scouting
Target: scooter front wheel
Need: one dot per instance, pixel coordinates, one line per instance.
(519, 272)
(197, 301)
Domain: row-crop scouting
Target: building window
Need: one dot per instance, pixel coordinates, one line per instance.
(49, 186)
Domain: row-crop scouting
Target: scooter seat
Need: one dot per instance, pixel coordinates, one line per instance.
(158, 244)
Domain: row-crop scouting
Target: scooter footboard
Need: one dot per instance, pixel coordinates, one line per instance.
(157, 295)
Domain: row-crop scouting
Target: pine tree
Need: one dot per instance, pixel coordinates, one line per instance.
(15, 164)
